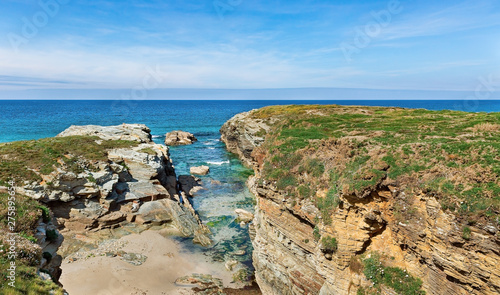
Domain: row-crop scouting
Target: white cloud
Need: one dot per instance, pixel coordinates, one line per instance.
(460, 17)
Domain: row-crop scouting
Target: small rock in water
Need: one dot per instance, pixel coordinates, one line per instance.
(179, 138)
(200, 170)
(244, 215)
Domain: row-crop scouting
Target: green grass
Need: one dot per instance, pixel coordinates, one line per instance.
(316, 234)
(328, 204)
(312, 167)
(28, 282)
(394, 277)
(447, 154)
(148, 151)
(25, 160)
(28, 211)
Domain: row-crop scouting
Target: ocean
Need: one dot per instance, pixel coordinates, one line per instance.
(34, 119)
(226, 190)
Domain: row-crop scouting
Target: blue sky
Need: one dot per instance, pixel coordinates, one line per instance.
(243, 44)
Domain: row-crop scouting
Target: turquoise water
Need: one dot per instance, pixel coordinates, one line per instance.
(226, 191)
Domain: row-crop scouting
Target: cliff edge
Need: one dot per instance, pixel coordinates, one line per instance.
(372, 200)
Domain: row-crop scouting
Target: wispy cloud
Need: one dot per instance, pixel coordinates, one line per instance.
(260, 44)
(459, 17)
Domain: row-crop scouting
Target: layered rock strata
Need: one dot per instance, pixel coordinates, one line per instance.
(289, 260)
(103, 194)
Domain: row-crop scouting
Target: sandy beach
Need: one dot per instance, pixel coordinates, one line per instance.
(165, 263)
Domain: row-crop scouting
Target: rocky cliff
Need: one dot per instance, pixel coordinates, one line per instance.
(360, 200)
(93, 178)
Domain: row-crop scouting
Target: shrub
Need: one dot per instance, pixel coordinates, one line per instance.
(304, 191)
(329, 244)
(466, 233)
(45, 213)
(51, 235)
(47, 256)
(316, 234)
(28, 237)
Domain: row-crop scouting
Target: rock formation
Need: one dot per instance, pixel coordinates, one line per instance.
(189, 184)
(179, 138)
(244, 215)
(427, 241)
(133, 132)
(101, 194)
(199, 170)
(242, 135)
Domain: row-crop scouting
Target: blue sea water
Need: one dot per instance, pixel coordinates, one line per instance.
(33, 119)
(226, 191)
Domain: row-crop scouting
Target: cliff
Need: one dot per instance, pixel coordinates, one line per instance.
(91, 178)
(369, 200)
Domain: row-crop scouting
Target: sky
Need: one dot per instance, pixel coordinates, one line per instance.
(56, 48)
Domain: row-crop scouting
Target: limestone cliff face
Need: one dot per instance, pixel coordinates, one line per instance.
(426, 241)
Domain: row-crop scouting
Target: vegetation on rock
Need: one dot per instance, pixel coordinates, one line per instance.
(351, 151)
(329, 244)
(29, 254)
(26, 160)
(393, 277)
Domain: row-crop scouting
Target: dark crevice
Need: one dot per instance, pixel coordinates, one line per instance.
(368, 242)
(300, 218)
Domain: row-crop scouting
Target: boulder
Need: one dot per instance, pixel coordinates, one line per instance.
(140, 190)
(155, 212)
(189, 184)
(243, 215)
(200, 170)
(112, 218)
(132, 132)
(179, 138)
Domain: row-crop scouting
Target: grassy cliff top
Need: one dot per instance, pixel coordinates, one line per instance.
(26, 160)
(350, 151)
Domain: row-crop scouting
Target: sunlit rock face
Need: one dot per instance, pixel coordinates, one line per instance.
(412, 232)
